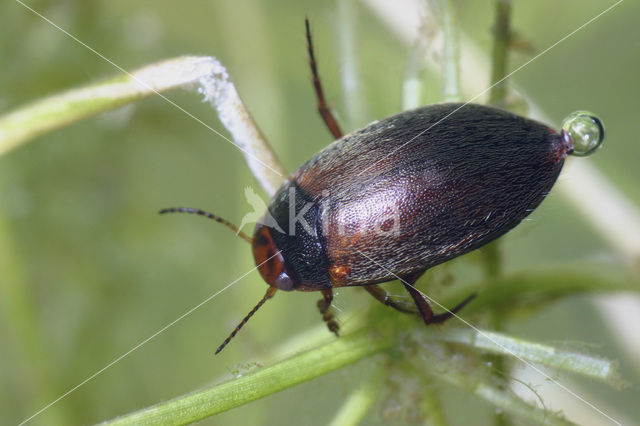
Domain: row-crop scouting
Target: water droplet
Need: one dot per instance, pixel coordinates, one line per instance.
(583, 133)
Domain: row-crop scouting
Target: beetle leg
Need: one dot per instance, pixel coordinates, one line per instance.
(323, 108)
(383, 296)
(423, 305)
(324, 306)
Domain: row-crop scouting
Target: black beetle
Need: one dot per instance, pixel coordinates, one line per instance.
(404, 194)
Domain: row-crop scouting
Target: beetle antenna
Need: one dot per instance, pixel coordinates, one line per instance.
(270, 292)
(210, 216)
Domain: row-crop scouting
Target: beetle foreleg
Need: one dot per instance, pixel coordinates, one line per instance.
(324, 306)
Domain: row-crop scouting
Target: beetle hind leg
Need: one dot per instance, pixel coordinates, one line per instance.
(324, 306)
(437, 319)
(385, 298)
(423, 305)
(323, 108)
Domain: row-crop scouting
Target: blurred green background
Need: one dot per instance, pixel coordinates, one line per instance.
(90, 269)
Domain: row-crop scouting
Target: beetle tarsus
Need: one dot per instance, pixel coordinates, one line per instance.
(324, 306)
(437, 319)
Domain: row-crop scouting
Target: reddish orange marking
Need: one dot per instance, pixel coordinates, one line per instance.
(269, 261)
(338, 274)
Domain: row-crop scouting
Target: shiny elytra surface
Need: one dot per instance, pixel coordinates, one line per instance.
(413, 190)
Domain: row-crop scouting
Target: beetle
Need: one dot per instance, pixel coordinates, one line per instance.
(404, 194)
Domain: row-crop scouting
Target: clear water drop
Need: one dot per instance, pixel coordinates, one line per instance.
(584, 132)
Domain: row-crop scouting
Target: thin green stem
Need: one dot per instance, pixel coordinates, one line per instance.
(32, 372)
(419, 56)
(349, 70)
(501, 369)
(266, 381)
(207, 73)
(474, 383)
(358, 403)
(412, 84)
(387, 329)
(432, 406)
(50, 113)
(529, 290)
(450, 54)
(499, 58)
(492, 259)
(590, 366)
(497, 96)
(500, 365)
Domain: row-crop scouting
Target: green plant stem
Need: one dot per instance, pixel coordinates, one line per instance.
(504, 400)
(500, 367)
(61, 109)
(206, 73)
(590, 366)
(32, 372)
(499, 58)
(450, 55)
(412, 83)
(528, 290)
(358, 403)
(497, 96)
(388, 331)
(355, 108)
(295, 370)
(432, 406)
(492, 260)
